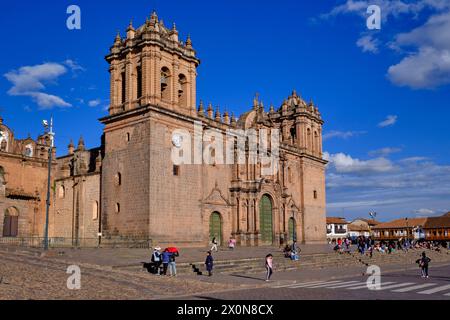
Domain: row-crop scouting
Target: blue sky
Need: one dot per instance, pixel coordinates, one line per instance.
(384, 94)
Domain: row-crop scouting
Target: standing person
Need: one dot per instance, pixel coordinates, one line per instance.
(156, 259)
(269, 266)
(214, 245)
(172, 264)
(209, 263)
(423, 264)
(165, 257)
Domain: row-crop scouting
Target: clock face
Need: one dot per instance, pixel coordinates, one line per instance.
(177, 140)
(29, 151)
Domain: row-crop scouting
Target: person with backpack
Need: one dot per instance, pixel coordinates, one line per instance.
(165, 258)
(156, 260)
(423, 264)
(209, 263)
(269, 266)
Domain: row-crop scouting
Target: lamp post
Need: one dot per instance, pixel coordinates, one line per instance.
(49, 131)
(407, 242)
(373, 216)
(294, 234)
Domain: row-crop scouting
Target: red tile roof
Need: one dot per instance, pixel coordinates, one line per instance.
(401, 223)
(336, 220)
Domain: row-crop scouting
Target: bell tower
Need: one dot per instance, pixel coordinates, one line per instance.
(152, 66)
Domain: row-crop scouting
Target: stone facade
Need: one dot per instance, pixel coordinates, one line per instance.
(23, 183)
(130, 189)
(153, 94)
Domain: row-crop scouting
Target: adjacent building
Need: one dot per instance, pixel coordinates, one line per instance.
(337, 228)
(429, 229)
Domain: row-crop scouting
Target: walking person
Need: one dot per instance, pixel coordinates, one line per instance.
(165, 257)
(214, 245)
(424, 262)
(209, 263)
(269, 266)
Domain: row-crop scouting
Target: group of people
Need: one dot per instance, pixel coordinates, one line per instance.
(163, 261)
(292, 251)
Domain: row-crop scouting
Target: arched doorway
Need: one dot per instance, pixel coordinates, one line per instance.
(292, 230)
(215, 227)
(266, 220)
(11, 223)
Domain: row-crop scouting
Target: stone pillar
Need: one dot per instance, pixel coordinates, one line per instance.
(174, 93)
(146, 75)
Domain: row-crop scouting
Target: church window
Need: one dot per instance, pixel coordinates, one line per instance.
(95, 210)
(61, 192)
(315, 194)
(118, 179)
(182, 90)
(123, 77)
(128, 137)
(117, 208)
(139, 82)
(165, 83)
(176, 170)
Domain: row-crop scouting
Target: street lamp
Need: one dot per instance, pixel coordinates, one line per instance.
(49, 131)
(373, 215)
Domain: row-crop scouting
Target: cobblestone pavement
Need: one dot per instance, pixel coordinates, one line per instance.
(24, 277)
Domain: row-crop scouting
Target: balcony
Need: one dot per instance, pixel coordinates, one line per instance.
(340, 231)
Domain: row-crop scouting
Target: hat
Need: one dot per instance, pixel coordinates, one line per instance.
(157, 248)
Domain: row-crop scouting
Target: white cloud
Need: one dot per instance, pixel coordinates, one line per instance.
(368, 44)
(412, 185)
(389, 8)
(73, 65)
(343, 163)
(428, 66)
(342, 134)
(383, 152)
(30, 81)
(94, 103)
(390, 121)
(426, 49)
(424, 212)
(48, 101)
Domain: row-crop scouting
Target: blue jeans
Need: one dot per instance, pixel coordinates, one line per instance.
(172, 268)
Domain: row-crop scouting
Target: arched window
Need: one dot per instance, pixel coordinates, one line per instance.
(309, 139)
(138, 82)
(182, 90)
(118, 179)
(95, 210)
(128, 137)
(293, 132)
(61, 192)
(165, 84)
(11, 223)
(117, 209)
(123, 87)
(315, 194)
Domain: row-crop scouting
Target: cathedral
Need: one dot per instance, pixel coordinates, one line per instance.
(129, 190)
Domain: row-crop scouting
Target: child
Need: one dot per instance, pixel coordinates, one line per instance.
(209, 263)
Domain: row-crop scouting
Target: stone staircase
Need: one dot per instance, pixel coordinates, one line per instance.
(307, 261)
